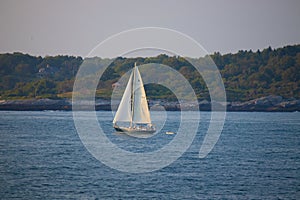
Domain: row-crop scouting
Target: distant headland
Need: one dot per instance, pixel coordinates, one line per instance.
(266, 80)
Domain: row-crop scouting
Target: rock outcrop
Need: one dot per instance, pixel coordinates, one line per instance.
(35, 104)
(268, 104)
(264, 104)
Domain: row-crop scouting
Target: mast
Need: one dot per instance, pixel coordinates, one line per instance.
(132, 94)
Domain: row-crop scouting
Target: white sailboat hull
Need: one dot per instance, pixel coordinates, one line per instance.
(146, 130)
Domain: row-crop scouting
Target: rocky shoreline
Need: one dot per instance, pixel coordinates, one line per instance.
(265, 104)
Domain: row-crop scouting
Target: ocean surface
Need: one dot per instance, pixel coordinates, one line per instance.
(256, 157)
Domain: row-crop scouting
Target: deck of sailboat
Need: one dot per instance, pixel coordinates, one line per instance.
(135, 129)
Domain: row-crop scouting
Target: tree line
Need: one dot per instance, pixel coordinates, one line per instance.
(246, 74)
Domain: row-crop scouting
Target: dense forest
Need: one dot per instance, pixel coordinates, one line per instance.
(246, 74)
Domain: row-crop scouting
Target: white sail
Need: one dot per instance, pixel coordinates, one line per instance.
(140, 112)
(133, 107)
(124, 112)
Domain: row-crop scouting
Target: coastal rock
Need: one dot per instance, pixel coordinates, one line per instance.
(36, 104)
(293, 105)
(264, 104)
(268, 100)
(268, 104)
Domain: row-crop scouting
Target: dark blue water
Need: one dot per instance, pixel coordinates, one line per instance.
(256, 157)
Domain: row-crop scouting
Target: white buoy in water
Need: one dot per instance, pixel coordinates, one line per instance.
(170, 133)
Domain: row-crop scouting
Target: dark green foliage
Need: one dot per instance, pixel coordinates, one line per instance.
(246, 74)
(155, 91)
(26, 76)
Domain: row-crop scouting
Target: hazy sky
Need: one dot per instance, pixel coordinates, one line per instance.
(52, 27)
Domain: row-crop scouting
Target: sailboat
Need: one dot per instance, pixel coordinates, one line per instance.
(133, 108)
